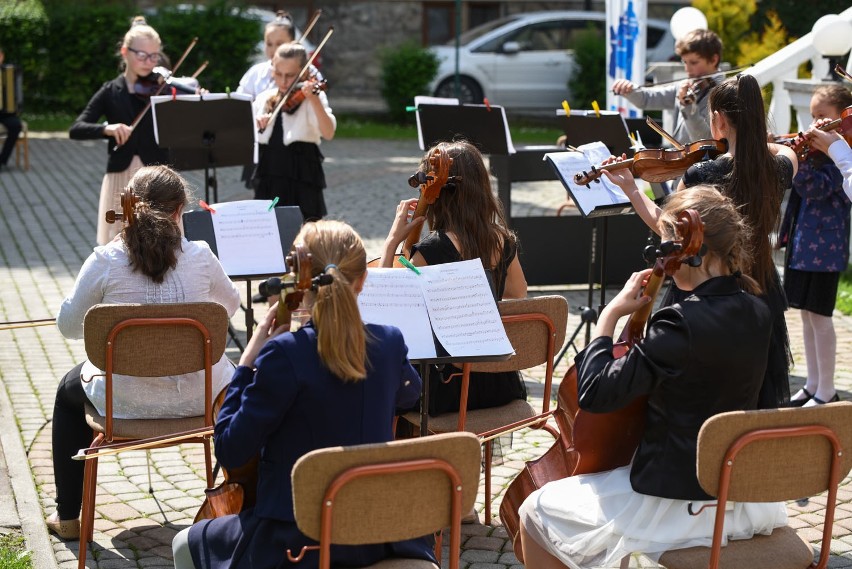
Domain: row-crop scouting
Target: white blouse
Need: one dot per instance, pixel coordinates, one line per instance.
(301, 126)
(107, 278)
(257, 79)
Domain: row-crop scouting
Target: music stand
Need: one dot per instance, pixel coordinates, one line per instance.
(484, 126)
(198, 226)
(206, 132)
(583, 127)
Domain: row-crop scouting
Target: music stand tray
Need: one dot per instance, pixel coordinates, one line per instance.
(206, 132)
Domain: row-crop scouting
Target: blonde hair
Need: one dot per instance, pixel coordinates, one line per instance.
(139, 29)
(726, 233)
(337, 250)
(292, 50)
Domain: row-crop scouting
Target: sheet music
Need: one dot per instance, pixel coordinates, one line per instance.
(587, 199)
(247, 237)
(393, 297)
(453, 300)
(462, 310)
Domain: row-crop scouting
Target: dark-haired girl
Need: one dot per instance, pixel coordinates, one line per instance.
(754, 175)
(466, 222)
(151, 263)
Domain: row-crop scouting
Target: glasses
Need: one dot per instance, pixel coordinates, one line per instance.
(143, 55)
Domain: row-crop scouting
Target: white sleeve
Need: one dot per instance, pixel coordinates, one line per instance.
(841, 153)
(222, 288)
(88, 291)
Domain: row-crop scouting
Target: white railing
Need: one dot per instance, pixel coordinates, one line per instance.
(783, 66)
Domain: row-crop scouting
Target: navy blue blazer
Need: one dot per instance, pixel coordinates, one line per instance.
(292, 404)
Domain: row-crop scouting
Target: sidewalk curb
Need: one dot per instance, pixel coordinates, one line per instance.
(23, 488)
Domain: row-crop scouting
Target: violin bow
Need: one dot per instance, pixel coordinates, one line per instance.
(27, 323)
(310, 26)
(115, 448)
(274, 114)
(842, 72)
(698, 78)
(653, 124)
(142, 113)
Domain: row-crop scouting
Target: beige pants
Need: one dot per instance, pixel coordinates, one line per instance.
(111, 188)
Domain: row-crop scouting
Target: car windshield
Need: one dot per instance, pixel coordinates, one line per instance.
(480, 31)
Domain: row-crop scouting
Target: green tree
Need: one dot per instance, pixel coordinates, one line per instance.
(587, 82)
(407, 71)
(731, 19)
(756, 46)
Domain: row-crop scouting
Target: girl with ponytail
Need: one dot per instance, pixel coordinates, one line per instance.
(150, 262)
(755, 175)
(334, 382)
(596, 520)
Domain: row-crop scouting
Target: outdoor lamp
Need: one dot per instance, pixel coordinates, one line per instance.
(832, 38)
(687, 19)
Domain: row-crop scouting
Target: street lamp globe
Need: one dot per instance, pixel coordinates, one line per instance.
(832, 35)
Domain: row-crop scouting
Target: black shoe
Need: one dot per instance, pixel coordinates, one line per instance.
(819, 401)
(801, 402)
(258, 299)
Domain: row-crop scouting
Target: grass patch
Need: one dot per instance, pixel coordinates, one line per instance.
(844, 292)
(348, 126)
(13, 552)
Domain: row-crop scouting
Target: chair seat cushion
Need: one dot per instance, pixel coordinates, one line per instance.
(478, 420)
(403, 564)
(783, 549)
(141, 428)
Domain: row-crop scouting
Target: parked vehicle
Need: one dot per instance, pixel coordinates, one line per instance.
(524, 61)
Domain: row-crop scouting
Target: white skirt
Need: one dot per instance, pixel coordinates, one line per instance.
(111, 187)
(594, 520)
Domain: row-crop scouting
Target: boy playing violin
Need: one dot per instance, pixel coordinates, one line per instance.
(290, 162)
(701, 53)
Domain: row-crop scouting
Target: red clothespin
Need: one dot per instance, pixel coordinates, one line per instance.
(203, 204)
(487, 104)
(174, 94)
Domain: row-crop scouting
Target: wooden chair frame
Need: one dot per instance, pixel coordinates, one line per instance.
(23, 142)
(107, 437)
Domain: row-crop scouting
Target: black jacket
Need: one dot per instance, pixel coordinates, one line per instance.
(118, 105)
(700, 357)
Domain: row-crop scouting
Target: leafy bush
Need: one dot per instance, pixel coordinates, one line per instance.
(69, 49)
(407, 71)
(588, 79)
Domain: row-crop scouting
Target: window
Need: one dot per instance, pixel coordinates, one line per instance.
(439, 23)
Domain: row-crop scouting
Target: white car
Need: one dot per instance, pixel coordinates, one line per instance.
(525, 60)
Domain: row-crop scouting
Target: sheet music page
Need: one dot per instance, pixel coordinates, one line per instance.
(394, 297)
(597, 194)
(247, 238)
(462, 310)
(425, 100)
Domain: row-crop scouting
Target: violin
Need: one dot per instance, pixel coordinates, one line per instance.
(297, 96)
(159, 77)
(697, 89)
(597, 442)
(238, 491)
(801, 144)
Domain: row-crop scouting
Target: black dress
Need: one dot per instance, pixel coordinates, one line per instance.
(485, 389)
(775, 391)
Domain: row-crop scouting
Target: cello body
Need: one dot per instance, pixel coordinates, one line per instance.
(597, 442)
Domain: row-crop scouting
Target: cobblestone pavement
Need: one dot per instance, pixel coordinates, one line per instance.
(47, 230)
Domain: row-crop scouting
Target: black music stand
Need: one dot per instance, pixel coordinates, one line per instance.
(484, 126)
(582, 127)
(198, 226)
(206, 132)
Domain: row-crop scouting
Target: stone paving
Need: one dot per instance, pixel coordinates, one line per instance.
(47, 230)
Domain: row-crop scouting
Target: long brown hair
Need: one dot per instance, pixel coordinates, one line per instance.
(153, 237)
(726, 233)
(754, 182)
(468, 208)
(337, 250)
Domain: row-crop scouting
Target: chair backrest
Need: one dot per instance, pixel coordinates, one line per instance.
(156, 350)
(783, 467)
(387, 506)
(530, 324)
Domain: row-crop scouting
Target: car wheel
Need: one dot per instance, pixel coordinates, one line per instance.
(470, 91)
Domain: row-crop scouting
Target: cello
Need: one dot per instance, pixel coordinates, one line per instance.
(238, 491)
(597, 442)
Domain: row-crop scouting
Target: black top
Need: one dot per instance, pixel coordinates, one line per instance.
(485, 389)
(118, 105)
(700, 357)
(718, 171)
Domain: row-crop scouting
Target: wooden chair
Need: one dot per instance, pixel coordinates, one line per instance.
(536, 328)
(386, 492)
(23, 143)
(148, 340)
(769, 456)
